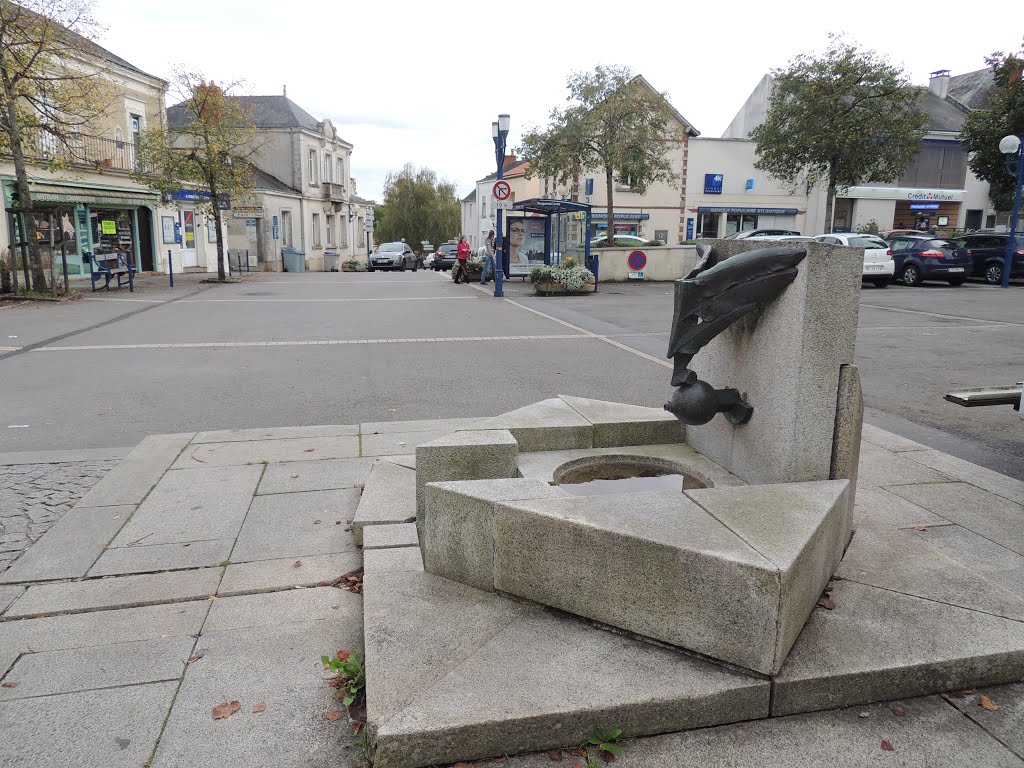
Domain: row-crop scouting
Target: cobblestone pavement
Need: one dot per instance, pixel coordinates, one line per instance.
(35, 496)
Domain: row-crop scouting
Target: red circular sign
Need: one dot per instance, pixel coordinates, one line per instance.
(502, 191)
(637, 260)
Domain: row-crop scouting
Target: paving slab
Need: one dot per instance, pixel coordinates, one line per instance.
(550, 425)
(138, 472)
(388, 536)
(403, 460)
(275, 433)
(993, 482)
(275, 666)
(116, 592)
(113, 728)
(987, 514)
(326, 475)
(71, 546)
(276, 575)
(83, 630)
(568, 677)
(63, 457)
(929, 734)
(1005, 724)
(398, 443)
(617, 424)
(392, 560)
(884, 468)
(880, 645)
(192, 505)
(427, 425)
(903, 562)
(889, 440)
(162, 557)
(389, 496)
(268, 451)
(102, 666)
(297, 524)
(274, 608)
(885, 508)
(8, 595)
(995, 562)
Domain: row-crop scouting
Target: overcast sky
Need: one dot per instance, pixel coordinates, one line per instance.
(421, 82)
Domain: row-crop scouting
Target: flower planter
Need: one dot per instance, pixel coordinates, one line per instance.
(551, 288)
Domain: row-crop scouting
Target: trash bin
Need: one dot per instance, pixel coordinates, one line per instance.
(294, 260)
(331, 261)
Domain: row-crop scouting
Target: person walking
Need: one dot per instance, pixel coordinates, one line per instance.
(462, 260)
(488, 258)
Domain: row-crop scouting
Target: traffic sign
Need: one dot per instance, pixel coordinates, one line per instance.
(637, 260)
(502, 191)
(368, 226)
(503, 205)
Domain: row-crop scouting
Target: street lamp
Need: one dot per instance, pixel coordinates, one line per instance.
(1012, 147)
(499, 133)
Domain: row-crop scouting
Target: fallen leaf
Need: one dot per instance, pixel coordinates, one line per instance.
(556, 755)
(333, 715)
(863, 714)
(458, 765)
(920, 528)
(212, 597)
(986, 703)
(297, 564)
(887, 746)
(39, 616)
(337, 522)
(187, 545)
(195, 657)
(826, 603)
(357, 726)
(316, 522)
(899, 711)
(9, 685)
(945, 696)
(344, 655)
(227, 709)
(257, 708)
(295, 477)
(164, 636)
(577, 752)
(608, 757)
(309, 450)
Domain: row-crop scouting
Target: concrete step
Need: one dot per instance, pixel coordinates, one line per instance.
(389, 498)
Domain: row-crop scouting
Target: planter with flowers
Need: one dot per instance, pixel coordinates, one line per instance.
(568, 279)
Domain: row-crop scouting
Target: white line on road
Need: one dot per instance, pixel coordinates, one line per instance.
(9, 349)
(939, 314)
(259, 300)
(134, 301)
(321, 342)
(935, 328)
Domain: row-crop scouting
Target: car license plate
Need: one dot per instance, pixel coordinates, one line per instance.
(955, 269)
(875, 267)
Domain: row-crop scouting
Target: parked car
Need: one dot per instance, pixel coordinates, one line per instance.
(922, 257)
(804, 238)
(444, 256)
(888, 233)
(988, 255)
(392, 256)
(760, 233)
(428, 261)
(630, 241)
(879, 266)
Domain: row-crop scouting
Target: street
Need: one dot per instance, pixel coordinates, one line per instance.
(345, 348)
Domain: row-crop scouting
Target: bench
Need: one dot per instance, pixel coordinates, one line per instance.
(983, 396)
(107, 265)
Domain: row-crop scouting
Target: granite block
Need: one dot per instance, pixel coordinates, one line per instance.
(275, 608)
(276, 575)
(275, 433)
(618, 424)
(958, 469)
(389, 536)
(268, 451)
(885, 469)
(326, 475)
(137, 473)
(549, 425)
(296, 524)
(395, 560)
(426, 425)
(398, 443)
(846, 439)
(162, 557)
(388, 497)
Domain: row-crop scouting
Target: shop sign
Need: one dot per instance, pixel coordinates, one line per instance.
(198, 196)
(603, 216)
(108, 227)
(250, 230)
(247, 211)
(753, 211)
(82, 231)
(713, 183)
(689, 229)
(905, 193)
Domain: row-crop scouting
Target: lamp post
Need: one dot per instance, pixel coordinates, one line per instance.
(1013, 148)
(499, 133)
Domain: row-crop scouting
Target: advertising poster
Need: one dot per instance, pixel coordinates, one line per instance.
(525, 245)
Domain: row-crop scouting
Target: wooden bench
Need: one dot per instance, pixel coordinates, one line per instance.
(107, 265)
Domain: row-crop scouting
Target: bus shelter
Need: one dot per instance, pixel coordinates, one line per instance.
(542, 231)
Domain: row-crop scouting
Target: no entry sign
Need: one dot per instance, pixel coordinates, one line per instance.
(637, 260)
(502, 190)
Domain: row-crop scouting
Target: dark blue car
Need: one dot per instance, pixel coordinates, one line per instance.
(924, 257)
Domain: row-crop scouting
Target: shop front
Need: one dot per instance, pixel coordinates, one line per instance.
(934, 210)
(723, 220)
(626, 223)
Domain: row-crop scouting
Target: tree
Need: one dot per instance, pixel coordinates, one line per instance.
(984, 128)
(614, 122)
(417, 206)
(207, 142)
(847, 117)
(53, 91)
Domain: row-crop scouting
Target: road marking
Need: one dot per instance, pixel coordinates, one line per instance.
(939, 314)
(583, 331)
(134, 301)
(937, 328)
(259, 300)
(9, 349)
(318, 342)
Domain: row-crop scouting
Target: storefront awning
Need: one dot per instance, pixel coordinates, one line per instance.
(748, 210)
(58, 193)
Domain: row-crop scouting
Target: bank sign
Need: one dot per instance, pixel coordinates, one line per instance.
(713, 183)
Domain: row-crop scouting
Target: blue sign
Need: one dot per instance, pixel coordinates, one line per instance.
(589, 187)
(199, 196)
(924, 206)
(603, 215)
(750, 185)
(276, 230)
(177, 232)
(637, 260)
(740, 209)
(713, 183)
(689, 229)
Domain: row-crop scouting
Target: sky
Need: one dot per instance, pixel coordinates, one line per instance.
(420, 83)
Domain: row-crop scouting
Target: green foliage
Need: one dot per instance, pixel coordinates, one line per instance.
(417, 206)
(844, 118)
(474, 266)
(615, 122)
(572, 278)
(868, 228)
(605, 742)
(349, 669)
(984, 128)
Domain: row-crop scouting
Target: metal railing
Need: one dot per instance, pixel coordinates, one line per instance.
(84, 152)
(334, 191)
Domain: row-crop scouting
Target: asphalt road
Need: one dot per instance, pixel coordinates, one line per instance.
(320, 348)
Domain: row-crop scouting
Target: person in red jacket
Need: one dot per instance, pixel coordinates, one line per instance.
(462, 260)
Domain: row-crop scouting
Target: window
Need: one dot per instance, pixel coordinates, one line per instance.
(341, 171)
(312, 167)
(286, 228)
(343, 234)
(328, 165)
(707, 225)
(316, 230)
(329, 230)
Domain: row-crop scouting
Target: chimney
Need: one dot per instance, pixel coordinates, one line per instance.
(938, 83)
(286, 91)
(509, 160)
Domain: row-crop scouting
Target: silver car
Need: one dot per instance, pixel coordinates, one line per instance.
(392, 256)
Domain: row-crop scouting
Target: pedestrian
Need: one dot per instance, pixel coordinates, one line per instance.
(488, 258)
(462, 260)
(419, 259)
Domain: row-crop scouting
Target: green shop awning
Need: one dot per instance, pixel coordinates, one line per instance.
(58, 193)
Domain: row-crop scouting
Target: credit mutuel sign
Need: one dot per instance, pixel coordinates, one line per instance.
(905, 193)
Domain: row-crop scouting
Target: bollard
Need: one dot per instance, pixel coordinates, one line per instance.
(170, 267)
(246, 259)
